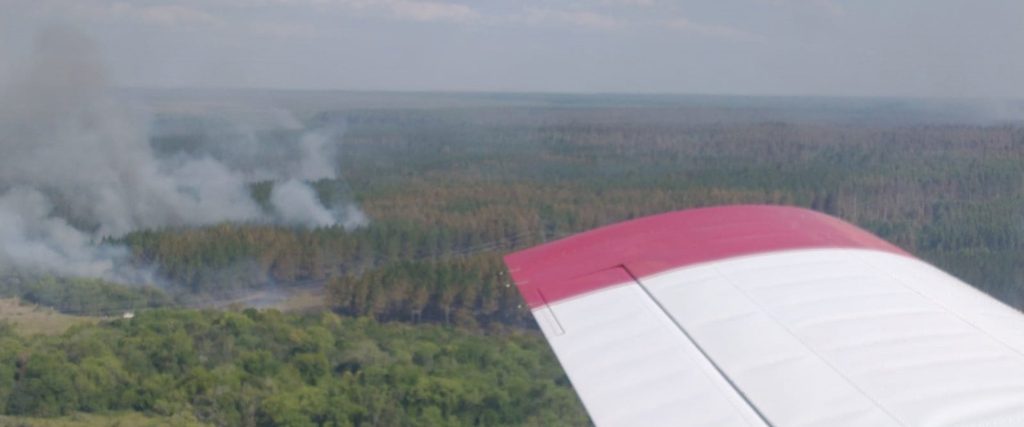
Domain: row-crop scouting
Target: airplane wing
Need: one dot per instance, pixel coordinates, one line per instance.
(769, 316)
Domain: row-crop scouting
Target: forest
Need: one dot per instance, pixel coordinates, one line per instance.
(449, 189)
(419, 324)
(266, 368)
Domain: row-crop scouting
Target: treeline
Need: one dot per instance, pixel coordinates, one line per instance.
(230, 257)
(264, 368)
(469, 291)
(81, 296)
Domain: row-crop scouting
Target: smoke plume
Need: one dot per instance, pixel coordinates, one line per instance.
(76, 167)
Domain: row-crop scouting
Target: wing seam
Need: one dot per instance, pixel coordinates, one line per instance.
(700, 349)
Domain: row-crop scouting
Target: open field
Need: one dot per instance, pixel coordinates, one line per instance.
(303, 300)
(31, 319)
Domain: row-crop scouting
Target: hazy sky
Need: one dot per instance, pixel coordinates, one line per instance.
(972, 48)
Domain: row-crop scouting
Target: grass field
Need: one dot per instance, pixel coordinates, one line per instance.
(303, 300)
(29, 319)
(311, 298)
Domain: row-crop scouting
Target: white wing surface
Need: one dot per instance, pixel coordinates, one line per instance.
(769, 316)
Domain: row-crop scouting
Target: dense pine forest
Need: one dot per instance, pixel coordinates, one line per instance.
(451, 188)
(417, 323)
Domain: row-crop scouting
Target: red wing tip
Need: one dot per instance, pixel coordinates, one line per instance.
(667, 241)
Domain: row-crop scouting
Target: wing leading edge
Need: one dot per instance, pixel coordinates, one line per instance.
(762, 315)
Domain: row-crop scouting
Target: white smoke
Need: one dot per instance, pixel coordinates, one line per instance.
(296, 204)
(75, 167)
(316, 154)
(34, 239)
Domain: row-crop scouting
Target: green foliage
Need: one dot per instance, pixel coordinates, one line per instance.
(268, 368)
(43, 386)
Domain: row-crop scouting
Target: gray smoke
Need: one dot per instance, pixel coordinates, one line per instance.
(75, 167)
